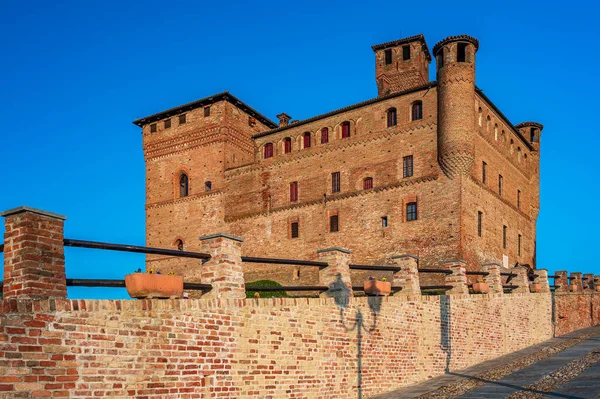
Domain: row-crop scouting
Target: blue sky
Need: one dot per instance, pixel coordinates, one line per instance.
(74, 74)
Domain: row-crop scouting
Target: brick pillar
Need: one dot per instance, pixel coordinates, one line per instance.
(224, 270)
(577, 281)
(336, 276)
(493, 279)
(588, 282)
(407, 278)
(458, 278)
(521, 280)
(561, 281)
(34, 258)
(542, 279)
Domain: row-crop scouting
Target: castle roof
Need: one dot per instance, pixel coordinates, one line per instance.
(459, 38)
(348, 108)
(406, 40)
(223, 96)
(526, 124)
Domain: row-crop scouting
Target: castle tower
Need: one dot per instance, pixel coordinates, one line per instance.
(455, 56)
(532, 131)
(401, 65)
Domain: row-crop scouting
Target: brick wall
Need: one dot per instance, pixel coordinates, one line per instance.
(576, 310)
(272, 348)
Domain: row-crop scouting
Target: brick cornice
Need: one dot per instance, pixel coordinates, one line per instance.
(334, 198)
(189, 198)
(336, 145)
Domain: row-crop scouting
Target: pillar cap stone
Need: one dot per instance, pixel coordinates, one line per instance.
(22, 209)
(492, 264)
(221, 235)
(344, 250)
(455, 261)
(405, 256)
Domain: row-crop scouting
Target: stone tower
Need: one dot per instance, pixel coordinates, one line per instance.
(532, 131)
(455, 57)
(401, 65)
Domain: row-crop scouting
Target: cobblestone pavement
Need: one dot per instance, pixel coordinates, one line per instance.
(566, 367)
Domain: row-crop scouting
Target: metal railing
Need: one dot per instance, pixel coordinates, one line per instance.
(133, 248)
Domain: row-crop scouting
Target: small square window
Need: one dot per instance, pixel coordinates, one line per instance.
(167, 123)
(384, 221)
(182, 119)
(406, 53)
(207, 186)
(206, 111)
(295, 230)
(153, 128)
(333, 224)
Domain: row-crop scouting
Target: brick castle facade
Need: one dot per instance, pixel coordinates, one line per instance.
(430, 168)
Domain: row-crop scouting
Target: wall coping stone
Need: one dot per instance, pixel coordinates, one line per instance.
(405, 256)
(221, 235)
(455, 261)
(344, 250)
(492, 263)
(22, 209)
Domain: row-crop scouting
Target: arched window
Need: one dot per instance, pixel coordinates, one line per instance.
(287, 145)
(519, 154)
(183, 186)
(307, 140)
(417, 110)
(345, 130)
(488, 123)
(207, 185)
(512, 145)
(324, 135)
(391, 117)
(367, 183)
(179, 244)
(496, 132)
(480, 117)
(268, 150)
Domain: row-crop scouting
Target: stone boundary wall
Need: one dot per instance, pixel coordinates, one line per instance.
(249, 348)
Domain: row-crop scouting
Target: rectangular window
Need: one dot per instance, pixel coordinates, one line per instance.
(324, 136)
(345, 130)
(335, 182)
(406, 53)
(519, 199)
(504, 231)
(461, 52)
(295, 230)
(206, 111)
(519, 244)
(388, 56)
(153, 128)
(484, 172)
(407, 163)
(167, 123)
(182, 119)
(333, 224)
(480, 223)
(500, 184)
(411, 211)
(294, 191)
(367, 183)
(384, 221)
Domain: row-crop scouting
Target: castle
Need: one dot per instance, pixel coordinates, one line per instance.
(429, 168)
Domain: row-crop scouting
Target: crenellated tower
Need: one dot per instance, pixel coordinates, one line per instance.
(455, 58)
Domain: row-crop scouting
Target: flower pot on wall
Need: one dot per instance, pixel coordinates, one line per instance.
(481, 288)
(535, 287)
(374, 287)
(145, 285)
(573, 288)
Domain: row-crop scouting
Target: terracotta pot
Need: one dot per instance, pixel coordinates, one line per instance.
(144, 285)
(573, 288)
(597, 286)
(535, 287)
(481, 288)
(374, 287)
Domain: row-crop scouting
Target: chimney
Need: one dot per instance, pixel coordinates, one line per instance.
(284, 119)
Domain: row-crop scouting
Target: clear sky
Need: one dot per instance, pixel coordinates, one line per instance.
(75, 74)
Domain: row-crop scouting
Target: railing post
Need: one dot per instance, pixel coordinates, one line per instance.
(407, 278)
(336, 276)
(458, 278)
(561, 281)
(34, 259)
(521, 280)
(542, 279)
(589, 282)
(224, 270)
(493, 279)
(577, 281)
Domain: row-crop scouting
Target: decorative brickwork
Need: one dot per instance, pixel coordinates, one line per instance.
(407, 278)
(34, 260)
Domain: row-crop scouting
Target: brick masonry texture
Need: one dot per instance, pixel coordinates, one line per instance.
(576, 310)
(249, 196)
(248, 348)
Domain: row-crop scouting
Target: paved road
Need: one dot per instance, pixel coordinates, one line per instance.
(585, 386)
